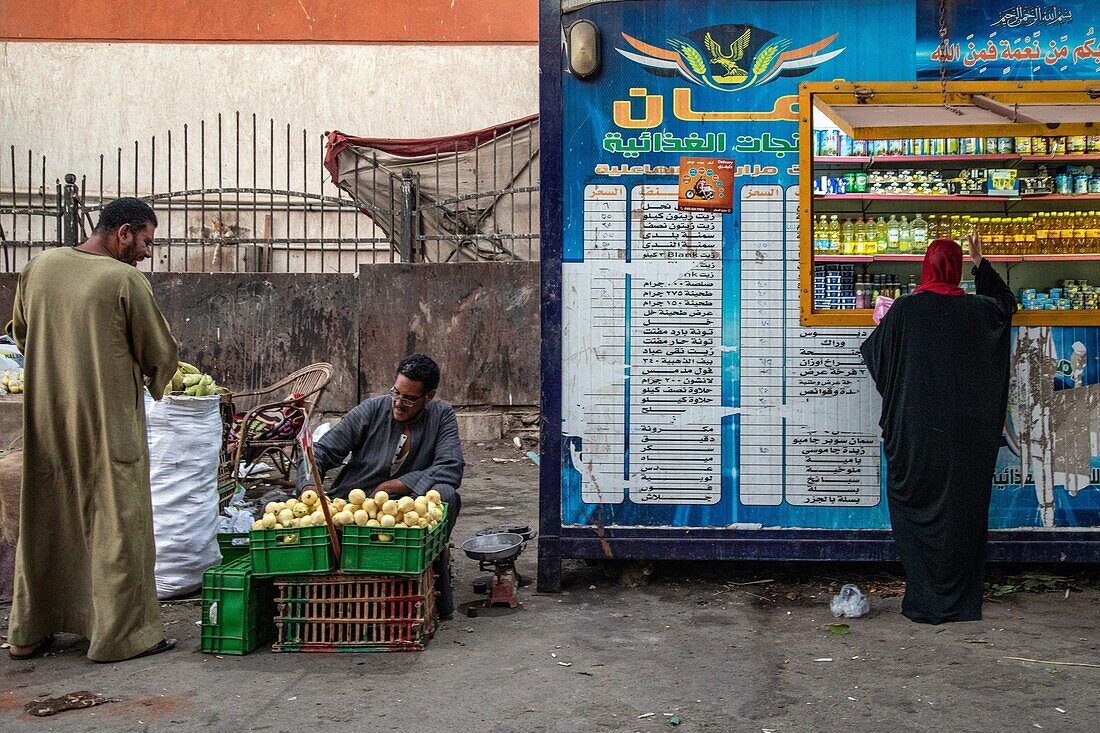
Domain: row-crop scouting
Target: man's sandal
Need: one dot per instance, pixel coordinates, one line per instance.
(161, 646)
(40, 648)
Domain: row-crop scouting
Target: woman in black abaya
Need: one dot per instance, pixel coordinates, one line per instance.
(940, 360)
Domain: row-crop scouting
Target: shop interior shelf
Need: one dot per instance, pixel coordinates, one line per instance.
(862, 317)
(914, 159)
(921, 197)
(858, 259)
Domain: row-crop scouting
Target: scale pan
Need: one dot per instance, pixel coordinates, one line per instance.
(499, 546)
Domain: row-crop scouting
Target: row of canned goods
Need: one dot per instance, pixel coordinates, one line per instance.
(1072, 295)
(1071, 180)
(829, 143)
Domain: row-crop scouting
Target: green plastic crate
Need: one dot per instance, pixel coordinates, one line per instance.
(234, 545)
(297, 551)
(238, 609)
(409, 551)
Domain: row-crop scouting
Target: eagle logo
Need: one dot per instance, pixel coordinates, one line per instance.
(729, 57)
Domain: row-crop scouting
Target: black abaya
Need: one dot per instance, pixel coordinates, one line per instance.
(941, 364)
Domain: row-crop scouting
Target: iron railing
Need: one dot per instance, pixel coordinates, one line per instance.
(235, 196)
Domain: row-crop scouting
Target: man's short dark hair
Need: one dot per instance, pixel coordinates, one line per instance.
(134, 212)
(420, 368)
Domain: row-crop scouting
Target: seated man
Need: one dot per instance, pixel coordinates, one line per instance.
(402, 443)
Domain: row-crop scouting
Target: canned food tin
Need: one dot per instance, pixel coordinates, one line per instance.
(895, 147)
(861, 182)
(877, 148)
(1023, 145)
(1039, 146)
(1076, 144)
(1081, 183)
(951, 146)
(1063, 184)
(1005, 145)
(989, 145)
(970, 146)
(1056, 145)
(1094, 184)
(1092, 144)
(916, 146)
(936, 146)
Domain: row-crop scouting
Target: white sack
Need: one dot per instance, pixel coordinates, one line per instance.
(184, 443)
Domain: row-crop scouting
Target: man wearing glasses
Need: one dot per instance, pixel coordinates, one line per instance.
(403, 443)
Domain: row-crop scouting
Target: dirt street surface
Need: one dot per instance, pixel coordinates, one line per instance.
(731, 648)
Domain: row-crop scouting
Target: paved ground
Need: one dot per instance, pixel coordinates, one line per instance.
(714, 652)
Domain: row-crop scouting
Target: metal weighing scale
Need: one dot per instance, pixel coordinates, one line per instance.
(496, 550)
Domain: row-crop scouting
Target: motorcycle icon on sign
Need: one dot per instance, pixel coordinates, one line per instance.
(701, 190)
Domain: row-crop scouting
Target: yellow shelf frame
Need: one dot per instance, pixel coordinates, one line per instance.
(819, 95)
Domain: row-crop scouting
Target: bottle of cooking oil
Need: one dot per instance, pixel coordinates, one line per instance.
(933, 226)
(1065, 233)
(893, 235)
(1079, 232)
(1092, 232)
(1019, 235)
(833, 234)
(1041, 228)
(905, 236)
(879, 239)
(998, 227)
(920, 234)
(847, 237)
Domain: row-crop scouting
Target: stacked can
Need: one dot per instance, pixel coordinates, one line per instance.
(1072, 295)
(830, 143)
(834, 287)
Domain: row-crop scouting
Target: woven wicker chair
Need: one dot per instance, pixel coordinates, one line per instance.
(287, 404)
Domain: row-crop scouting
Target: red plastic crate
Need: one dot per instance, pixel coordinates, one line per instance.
(354, 613)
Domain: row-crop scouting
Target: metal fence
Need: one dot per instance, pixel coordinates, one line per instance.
(234, 195)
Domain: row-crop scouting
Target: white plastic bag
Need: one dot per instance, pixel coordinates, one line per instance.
(850, 602)
(184, 442)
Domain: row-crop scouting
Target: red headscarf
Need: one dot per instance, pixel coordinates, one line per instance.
(942, 268)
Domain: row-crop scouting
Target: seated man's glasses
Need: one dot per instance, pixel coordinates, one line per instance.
(404, 400)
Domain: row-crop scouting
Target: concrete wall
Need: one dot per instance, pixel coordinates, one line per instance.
(73, 102)
(480, 321)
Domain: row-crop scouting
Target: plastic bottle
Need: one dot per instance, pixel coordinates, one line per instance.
(833, 234)
(920, 234)
(847, 236)
(893, 234)
(994, 235)
(1042, 232)
(861, 292)
(912, 284)
(1079, 233)
(905, 236)
(1019, 235)
(1065, 233)
(881, 235)
(1092, 232)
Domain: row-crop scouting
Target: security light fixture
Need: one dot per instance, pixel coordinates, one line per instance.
(582, 42)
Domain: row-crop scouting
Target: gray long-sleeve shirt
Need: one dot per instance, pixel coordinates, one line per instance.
(371, 434)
